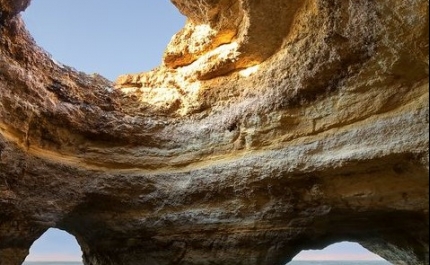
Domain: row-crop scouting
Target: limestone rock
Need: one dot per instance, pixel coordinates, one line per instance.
(11, 8)
(283, 126)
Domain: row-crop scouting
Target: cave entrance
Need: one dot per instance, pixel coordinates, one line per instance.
(55, 246)
(105, 37)
(340, 253)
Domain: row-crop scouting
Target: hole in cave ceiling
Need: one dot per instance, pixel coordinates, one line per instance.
(106, 37)
(55, 245)
(346, 252)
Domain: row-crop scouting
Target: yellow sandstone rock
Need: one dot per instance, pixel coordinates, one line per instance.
(270, 127)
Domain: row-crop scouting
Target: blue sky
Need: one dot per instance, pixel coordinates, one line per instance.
(112, 37)
(108, 37)
(56, 245)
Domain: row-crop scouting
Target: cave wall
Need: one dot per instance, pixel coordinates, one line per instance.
(281, 126)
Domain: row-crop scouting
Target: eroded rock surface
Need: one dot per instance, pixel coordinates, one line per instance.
(271, 127)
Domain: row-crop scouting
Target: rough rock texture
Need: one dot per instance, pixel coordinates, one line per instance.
(271, 127)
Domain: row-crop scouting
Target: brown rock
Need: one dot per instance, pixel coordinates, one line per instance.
(11, 8)
(285, 125)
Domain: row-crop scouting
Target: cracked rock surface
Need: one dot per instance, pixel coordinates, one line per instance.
(271, 127)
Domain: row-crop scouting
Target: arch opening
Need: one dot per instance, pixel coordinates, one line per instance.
(344, 252)
(122, 38)
(55, 246)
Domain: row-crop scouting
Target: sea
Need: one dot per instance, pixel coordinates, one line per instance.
(291, 263)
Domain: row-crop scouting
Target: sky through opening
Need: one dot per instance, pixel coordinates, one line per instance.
(107, 37)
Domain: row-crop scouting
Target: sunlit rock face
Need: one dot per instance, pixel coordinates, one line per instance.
(271, 127)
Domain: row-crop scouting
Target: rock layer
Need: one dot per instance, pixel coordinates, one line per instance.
(282, 126)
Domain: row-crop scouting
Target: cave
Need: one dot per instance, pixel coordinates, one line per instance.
(270, 127)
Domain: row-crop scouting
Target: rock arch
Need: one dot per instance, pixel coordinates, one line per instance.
(196, 164)
(340, 251)
(55, 245)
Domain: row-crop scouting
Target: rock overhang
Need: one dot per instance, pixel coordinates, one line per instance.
(326, 141)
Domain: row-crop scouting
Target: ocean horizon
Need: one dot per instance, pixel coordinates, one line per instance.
(296, 262)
